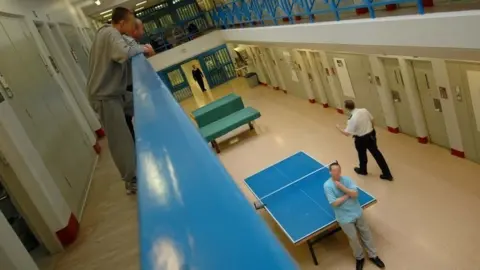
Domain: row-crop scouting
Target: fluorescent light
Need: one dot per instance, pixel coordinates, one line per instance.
(140, 8)
(108, 15)
(106, 11)
(141, 3)
(98, 3)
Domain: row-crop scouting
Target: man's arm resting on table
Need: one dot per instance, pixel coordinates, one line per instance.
(340, 200)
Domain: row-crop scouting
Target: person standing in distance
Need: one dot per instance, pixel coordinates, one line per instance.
(342, 194)
(198, 77)
(107, 84)
(360, 126)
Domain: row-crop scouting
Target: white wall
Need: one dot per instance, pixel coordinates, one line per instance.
(443, 30)
(187, 50)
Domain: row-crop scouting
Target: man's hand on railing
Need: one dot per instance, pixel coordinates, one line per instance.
(148, 50)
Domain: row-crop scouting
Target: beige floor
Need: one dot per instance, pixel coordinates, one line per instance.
(428, 218)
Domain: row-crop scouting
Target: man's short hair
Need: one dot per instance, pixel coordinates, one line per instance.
(333, 165)
(349, 104)
(119, 14)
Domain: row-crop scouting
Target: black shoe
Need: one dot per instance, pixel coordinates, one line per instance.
(377, 262)
(358, 171)
(360, 264)
(386, 177)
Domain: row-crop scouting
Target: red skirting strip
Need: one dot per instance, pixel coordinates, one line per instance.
(393, 130)
(427, 3)
(100, 133)
(311, 100)
(391, 7)
(457, 153)
(67, 235)
(285, 91)
(340, 111)
(264, 84)
(285, 19)
(361, 11)
(325, 105)
(276, 88)
(298, 18)
(423, 140)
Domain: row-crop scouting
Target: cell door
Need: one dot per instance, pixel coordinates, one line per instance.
(360, 85)
(431, 105)
(77, 49)
(179, 84)
(309, 70)
(400, 101)
(465, 84)
(323, 77)
(40, 106)
(214, 71)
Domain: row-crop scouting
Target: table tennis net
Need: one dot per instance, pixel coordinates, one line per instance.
(293, 182)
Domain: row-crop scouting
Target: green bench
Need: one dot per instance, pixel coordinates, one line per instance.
(222, 116)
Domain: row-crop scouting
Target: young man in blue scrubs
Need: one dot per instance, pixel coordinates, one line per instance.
(342, 194)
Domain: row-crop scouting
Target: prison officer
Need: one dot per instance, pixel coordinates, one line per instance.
(360, 126)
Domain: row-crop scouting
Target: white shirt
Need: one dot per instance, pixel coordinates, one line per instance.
(360, 122)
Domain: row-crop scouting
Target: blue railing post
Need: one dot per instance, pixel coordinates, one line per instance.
(333, 7)
(421, 9)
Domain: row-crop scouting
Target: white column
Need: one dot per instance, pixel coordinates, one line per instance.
(304, 75)
(276, 62)
(440, 72)
(413, 99)
(35, 181)
(13, 255)
(316, 79)
(335, 91)
(384, 93)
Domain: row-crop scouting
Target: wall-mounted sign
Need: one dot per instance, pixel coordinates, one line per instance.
(443, 92)
(377, 80)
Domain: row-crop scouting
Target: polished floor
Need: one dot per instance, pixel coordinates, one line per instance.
(428, 218)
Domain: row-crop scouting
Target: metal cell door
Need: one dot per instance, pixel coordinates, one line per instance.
(431, 105)
(215, 75)
(40, 106)
(464, 79)
(323, 77)
(78, 50)
(363, 90)
(397, 87)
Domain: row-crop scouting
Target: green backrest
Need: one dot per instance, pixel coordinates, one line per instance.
(218, 109)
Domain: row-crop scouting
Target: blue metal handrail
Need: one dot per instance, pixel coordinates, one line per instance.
(191, 213)
(253, 12)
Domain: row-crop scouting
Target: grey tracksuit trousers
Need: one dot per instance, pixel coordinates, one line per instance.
(120, 141)
(353, 230)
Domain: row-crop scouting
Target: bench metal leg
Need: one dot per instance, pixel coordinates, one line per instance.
(215, 145)
(251, 126)
(312, 252)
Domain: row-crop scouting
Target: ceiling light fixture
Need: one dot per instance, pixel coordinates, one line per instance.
(140, 8)
(141, 3)
(98, 3)
(105, 12)
(108, 15)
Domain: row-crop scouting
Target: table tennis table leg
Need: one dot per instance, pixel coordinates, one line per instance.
(312, 252)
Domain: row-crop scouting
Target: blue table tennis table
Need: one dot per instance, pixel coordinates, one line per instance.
(291, 191)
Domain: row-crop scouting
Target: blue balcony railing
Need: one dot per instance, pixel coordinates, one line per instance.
(191, 215)
(258, 12)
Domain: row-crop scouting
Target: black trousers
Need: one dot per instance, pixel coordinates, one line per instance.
(369, 142)
(201, 84)
(129, 118)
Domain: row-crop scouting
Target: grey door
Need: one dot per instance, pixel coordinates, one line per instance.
(460, 81)
(361, 78)
(323, 77)
(76, 45)
(39, 104)
(431, 106)
(397, 87)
